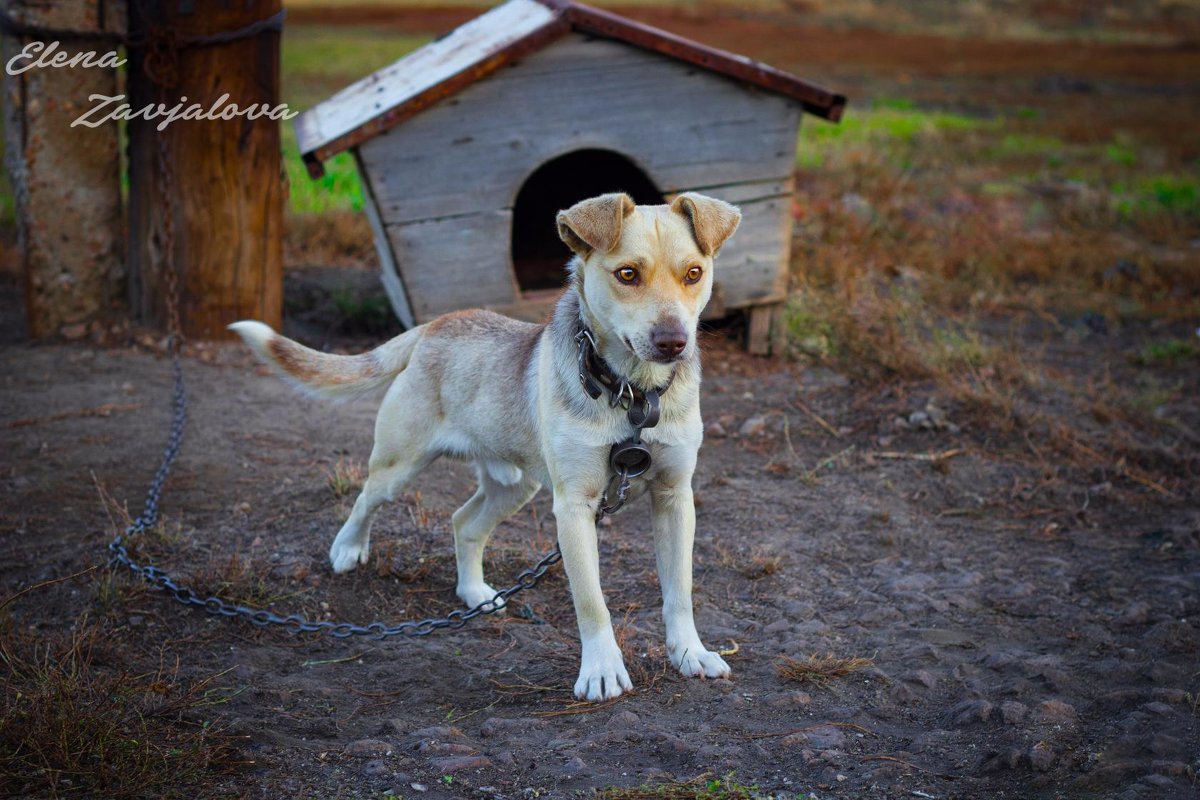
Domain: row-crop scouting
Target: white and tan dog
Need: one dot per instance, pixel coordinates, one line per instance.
(507, 396)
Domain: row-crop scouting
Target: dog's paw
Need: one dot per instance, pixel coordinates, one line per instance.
(480, 593)
(345, 557)
(602, 676)
(696, 662)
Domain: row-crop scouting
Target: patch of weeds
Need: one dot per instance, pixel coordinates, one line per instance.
(809, 327)
(699, 788)
(762, 566)
(240, 580)
(339, 189)
(955, 345)
(330, 238)
(76, 720)
(1168, 353)
(1176, 195)
(347, 476)
(1148, 402)
(820, 671)
(1121, 151)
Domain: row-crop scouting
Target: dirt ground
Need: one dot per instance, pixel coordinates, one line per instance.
(1033, 623)
(1033, 635)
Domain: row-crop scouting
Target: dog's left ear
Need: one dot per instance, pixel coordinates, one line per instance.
(713, 221)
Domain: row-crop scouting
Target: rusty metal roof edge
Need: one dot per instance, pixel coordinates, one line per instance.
(569, 16)
(814, 99)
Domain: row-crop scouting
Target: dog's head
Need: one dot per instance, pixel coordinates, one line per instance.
(646, 272)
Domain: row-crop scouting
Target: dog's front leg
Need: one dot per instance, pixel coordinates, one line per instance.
(602, 672)
(674, 532)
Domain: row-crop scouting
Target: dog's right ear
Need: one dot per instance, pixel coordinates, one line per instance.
(595, 224)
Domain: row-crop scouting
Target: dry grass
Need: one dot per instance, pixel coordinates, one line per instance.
(346, 477)
(334, 238)
(820, 670)
(77, 720)
(955, 251)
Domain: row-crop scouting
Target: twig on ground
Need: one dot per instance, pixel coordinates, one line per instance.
(910, 764)
(817, 418)
(578, 707)
(106, 410)
(897, 455)
(450, 718)
(316, 663)
(776, 734)
(826, 462)
(44, 584)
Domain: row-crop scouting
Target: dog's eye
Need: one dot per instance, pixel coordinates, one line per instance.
(693, 275)
(627, 275)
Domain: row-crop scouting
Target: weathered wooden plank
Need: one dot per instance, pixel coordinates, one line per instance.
(747, 192)
(458, 262)
(420, 71)
(66, 180)
(392, 283)
(683, 126)
(753, 267)
(465, 261)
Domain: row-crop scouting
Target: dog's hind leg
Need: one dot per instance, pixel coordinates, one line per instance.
(491, 504)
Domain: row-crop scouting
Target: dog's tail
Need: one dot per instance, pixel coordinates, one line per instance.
(326, 374)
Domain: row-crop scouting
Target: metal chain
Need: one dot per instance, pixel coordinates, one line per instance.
(261, 616)
(168, 269)
(618, 489)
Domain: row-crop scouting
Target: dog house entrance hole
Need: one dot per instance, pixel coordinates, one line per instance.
(539, 256)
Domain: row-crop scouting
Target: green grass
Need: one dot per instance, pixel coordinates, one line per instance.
(1013, 155)
(886, 122)
(1176, 195)
(1170, 352)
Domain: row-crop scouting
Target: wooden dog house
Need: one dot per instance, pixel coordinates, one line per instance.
(468, 146)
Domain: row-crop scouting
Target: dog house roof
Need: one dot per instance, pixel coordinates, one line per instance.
(499, 37)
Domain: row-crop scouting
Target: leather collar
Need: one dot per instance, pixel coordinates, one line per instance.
(597, 376)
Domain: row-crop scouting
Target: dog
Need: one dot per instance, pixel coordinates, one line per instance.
(513, 398)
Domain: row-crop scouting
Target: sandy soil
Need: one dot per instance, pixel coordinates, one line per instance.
(1033, 634)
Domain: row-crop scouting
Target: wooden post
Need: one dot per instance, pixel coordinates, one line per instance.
(226, 188)
(66, 180)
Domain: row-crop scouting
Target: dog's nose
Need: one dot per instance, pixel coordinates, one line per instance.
(669, 340)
